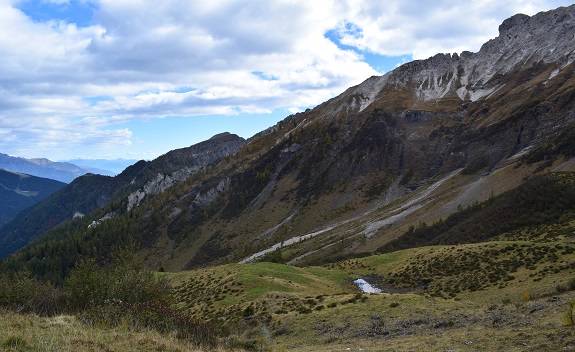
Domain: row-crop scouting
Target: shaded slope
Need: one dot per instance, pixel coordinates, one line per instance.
(19, 191)
(539, 201)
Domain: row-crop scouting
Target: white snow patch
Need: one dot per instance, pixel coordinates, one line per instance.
(553, 74)
(291, 241)
(366, 287)
(406, 208)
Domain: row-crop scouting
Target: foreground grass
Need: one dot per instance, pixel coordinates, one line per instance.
(382, 322)
(27, 332)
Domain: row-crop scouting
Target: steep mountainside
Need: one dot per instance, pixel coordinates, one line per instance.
(19, 191)
(354, 173)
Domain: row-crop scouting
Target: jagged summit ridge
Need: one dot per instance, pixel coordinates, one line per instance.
(523, 42)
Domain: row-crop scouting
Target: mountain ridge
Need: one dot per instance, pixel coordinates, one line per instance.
(357, 170)
(90, 192)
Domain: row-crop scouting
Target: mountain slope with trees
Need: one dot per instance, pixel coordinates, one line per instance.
(354, 173)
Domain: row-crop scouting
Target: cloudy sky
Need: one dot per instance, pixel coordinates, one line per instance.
(136, 78)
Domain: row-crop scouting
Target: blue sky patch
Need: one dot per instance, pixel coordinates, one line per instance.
(78, 12)
(264, 76)
(380, 63)
(93, 101)
(183, 89)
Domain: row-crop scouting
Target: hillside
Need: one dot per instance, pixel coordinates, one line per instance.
(319, 308)
(346, 178)
(505, 294)
(19, 191)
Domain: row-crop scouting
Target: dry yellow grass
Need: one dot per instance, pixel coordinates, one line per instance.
(24, 332)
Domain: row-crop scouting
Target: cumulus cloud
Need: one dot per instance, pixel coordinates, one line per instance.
(425, 28)
(70, 84)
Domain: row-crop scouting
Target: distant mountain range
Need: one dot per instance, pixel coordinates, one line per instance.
(103, 166)
(19, 191)
(354, 175)
(63, 171)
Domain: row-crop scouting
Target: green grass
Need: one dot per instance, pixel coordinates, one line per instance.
(520, 283)
(526, 283)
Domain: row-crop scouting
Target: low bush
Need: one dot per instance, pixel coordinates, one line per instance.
(149, 315)
(21, 292)
(124, 280)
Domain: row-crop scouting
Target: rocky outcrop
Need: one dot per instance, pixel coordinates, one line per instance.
(180, 164)
(523, 42)
(108, 216)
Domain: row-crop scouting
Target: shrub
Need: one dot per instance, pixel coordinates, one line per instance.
(149, 315)
(569, 315)
(560, 288)
(23, 293)
(86, 286)
(124, 280)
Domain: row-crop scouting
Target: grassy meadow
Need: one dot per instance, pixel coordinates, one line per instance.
(515, 292)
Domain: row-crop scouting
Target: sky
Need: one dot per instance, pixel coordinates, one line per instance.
(134, 79)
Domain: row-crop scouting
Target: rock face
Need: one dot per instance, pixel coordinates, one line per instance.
(180, 164)
(523, 43)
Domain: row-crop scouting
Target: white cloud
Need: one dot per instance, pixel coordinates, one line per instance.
(425, 28)
(63, 83)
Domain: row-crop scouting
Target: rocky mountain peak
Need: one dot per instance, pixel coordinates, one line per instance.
(512, 22)
(547, 38)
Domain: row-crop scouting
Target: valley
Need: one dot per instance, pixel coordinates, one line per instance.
(448, 184)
